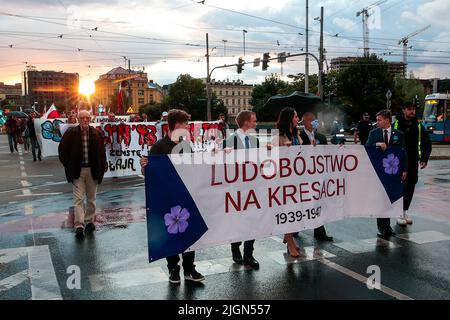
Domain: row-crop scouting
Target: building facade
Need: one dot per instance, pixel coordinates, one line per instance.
(44, 88)
(11, 93)
(235, 95)
(142, 90)
(398, 69)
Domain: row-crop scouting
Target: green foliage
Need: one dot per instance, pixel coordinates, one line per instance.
(153, 111)
(271, 86)
(363, 85)
(407, 90)
(188, 94)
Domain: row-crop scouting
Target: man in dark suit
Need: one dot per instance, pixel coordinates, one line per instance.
(241, 139)
(309, 135)
(383, 137)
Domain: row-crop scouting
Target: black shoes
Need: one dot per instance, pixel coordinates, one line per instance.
(174, 276)
(324, 238)
(385, 232)
(251, 262)
(79, 233)
(194, 276)
(90, 227)
(237, 257)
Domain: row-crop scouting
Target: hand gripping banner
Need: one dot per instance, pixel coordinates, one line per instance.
(202, 200)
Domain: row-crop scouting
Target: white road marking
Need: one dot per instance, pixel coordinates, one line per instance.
(43, 230)
(38, 194)
(129, 278)
(424, 237)
(26, 193)
(360, 278)
(14, 280)
(11, 254)
(22, 162)
(25, 183)
(40, 175)
(22, 168)
(306, 254)
(44, 285)
(28, 209)
(366, 245)
(24, 174)
(8, 213)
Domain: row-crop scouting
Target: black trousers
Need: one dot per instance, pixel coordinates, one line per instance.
(410, 184)
(383, 223)
(188, 262)
(320, 232)
(248, 247)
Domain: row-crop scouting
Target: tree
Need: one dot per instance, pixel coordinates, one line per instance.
(298, 83)
(407, 90)
(188, 94)
(153, 111)
(271, 86)
(362, 86)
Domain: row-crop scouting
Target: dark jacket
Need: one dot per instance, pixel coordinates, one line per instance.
(71, 154)
(320, 138)
(397, 140)
(411, 132)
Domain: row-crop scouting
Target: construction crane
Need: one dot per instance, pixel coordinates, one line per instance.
(365, 18)
(405, 41)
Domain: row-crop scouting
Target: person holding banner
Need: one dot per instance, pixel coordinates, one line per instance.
(383, 137)
(82, 152)
(288, 135)
(178, 127)
(33, 139)
(310, 136)
(241, 139)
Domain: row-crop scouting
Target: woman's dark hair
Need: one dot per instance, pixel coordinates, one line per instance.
(285, 122)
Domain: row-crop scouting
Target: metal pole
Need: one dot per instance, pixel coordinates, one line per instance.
(243, 33)
(321, 56)
(307, 51)
(130, 98)
(405, 61)
(208, 80)
(224, 48)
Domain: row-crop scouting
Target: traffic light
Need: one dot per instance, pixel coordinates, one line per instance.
(240, 65)
(416, 101)
(265, 62)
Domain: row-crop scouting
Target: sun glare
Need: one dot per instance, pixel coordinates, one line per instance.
(86, 88)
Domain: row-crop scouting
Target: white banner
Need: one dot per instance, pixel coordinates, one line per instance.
(193, 203)
(49, 135)
(126, 142)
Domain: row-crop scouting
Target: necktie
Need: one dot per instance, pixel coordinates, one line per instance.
(386, 140)
(247, 142)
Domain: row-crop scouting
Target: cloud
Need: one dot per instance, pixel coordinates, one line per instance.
(434, 12)
(432, 71)
(346, 24)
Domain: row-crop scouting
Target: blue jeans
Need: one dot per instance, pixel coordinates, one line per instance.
(12, 138)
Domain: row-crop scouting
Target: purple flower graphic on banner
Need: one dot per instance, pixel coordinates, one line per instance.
(176, 220)
(390, 164)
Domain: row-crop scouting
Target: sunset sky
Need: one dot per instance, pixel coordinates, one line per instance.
(167, 37)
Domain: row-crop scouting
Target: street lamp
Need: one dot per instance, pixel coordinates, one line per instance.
(224, 47)
(243, 34)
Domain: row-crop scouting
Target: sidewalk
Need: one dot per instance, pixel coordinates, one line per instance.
(440, 152)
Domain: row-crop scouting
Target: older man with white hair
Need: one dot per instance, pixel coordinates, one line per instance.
(82, 152)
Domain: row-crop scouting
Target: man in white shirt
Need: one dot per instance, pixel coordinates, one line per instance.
(241, 139)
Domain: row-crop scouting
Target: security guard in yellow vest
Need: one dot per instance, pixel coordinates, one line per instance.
(418, 148)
